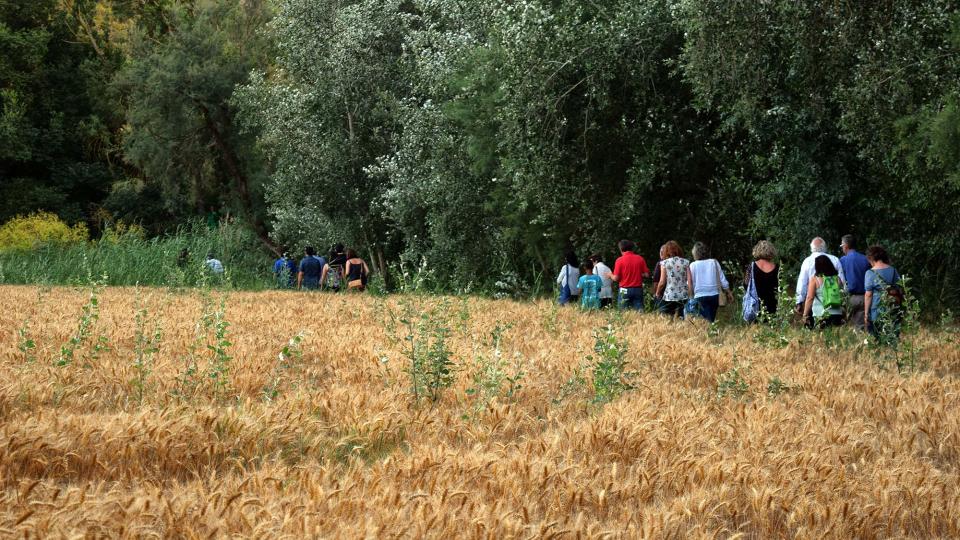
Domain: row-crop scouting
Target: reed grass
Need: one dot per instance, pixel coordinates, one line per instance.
(130, 259)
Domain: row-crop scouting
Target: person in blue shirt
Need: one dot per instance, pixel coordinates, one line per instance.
(883, 312)
(214, 264)
(284, 269)
(589, 286)
(855, 266)
(310, 269)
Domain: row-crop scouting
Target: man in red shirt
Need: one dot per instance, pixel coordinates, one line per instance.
(629, 272)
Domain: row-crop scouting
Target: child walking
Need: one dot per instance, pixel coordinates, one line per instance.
(589, 286)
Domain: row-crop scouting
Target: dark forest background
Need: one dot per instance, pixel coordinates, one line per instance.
(477, 141)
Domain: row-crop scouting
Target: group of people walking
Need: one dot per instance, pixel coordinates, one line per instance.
(830, 290)
(343, 269)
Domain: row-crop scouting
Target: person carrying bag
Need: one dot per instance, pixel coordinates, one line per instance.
(751, 300)
(726, 297)
(356, 271)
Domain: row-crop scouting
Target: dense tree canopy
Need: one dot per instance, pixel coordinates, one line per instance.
(479, 140)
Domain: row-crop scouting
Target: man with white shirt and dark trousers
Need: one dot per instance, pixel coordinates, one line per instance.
(817, 248)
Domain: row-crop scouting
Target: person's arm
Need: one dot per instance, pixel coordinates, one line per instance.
(366, 269)
(646, 271)
(724, 284)
(811, 294)
(323, 275)
(802, 281)
(689, 282)
(613, 275)
(843, 277)
(867, 296)
(560, 277)
(300, 280)
(662, 284)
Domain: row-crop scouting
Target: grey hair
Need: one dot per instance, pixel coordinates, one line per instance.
(701, 251)
(817, 245)
(764, 250)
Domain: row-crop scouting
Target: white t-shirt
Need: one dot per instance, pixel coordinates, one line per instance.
(215, 266)
(573, 276)
(705, 278)
(604, 272)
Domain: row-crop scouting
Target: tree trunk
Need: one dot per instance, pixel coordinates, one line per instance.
(382, 263)
(234, 169)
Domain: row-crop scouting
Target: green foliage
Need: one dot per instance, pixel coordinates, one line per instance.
(777, 387)
(896, 328)
(493, 377)
(86, 322)
(482, 139)
(731, 384)
(609, 366)
(147, 335)
(325, 114)
(218, 365)
(208, 360)
(25, 343)
(23, 233)
(574, 386)
(47, 150)
(129, 259)
(287, 358)
(422, 330)
(775, 330)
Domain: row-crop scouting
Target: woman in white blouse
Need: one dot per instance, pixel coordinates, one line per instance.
(706, 281)
(567, 280)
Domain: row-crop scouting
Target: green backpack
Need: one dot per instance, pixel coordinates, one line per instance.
(830, 295)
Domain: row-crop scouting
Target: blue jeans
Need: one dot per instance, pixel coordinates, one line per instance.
(564, 294)
(631, 298)
(709, 306)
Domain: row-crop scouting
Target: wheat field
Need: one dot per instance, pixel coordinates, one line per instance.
(326, 439)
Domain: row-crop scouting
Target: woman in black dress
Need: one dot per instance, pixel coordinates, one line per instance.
(766, 275)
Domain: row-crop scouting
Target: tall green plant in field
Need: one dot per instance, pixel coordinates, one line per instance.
(287, 358)
(26, 342)
(895, 331)
(422, 331)
(609, 365)
(147, 335)
(86, 324)
(207, 362)
(493, 376)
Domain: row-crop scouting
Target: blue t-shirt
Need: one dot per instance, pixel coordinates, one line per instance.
(878, 281)
(312, 267)
(282, 265)
(590, 286)
(855, 266)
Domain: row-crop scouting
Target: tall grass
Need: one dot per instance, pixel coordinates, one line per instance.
(130, 259)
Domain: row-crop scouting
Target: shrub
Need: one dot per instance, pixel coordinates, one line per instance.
(24, 233)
